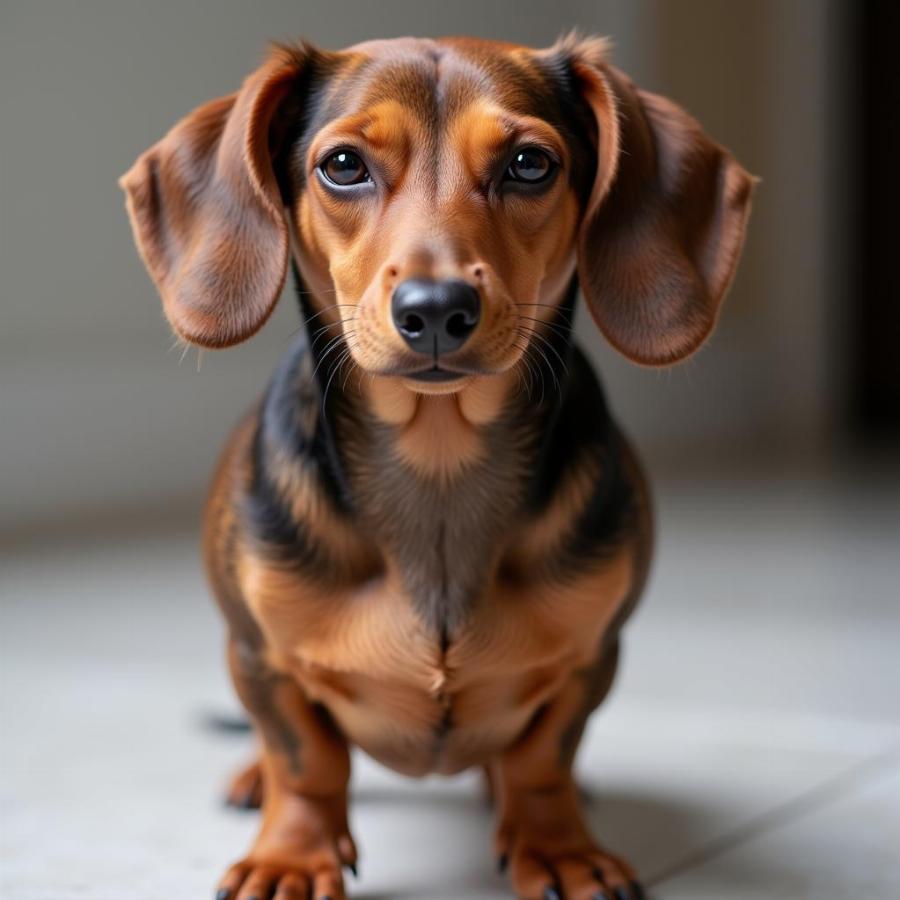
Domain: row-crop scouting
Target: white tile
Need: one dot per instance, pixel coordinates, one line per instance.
(662, 784)
(844, 851)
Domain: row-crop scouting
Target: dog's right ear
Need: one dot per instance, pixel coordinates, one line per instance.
(207, 213)
(663, 227)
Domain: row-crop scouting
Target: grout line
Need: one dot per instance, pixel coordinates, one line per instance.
(841, 785)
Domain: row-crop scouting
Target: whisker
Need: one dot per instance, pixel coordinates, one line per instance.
(553, 349)
(560, 310)
(306, 321)
(550, 368)
(564, 330)
(354, 345)
(312, 293)
(350, 368)
(326, 309)
(315, 334)
(540, 371)
(536, 348)
(535, 373)
(525, 363)
(523, 387)
(331, 346)
(332, 343)
(334, 370)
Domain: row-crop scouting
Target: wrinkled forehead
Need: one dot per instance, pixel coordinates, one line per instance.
(435, 82)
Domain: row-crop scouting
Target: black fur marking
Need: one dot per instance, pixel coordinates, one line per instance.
(268, 517)
(257, 684)
(609, 514)
(292, 427)
(322, 450)
(580, 421)
(596, 680)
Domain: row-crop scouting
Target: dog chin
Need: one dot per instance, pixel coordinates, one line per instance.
(437, 388)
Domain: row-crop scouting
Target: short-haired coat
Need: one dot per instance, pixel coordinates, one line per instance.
(427, 536)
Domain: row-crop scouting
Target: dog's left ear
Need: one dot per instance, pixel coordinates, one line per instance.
(664, 225)
(207, 212)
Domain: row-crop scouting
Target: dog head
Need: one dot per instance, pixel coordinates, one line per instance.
(438, 197)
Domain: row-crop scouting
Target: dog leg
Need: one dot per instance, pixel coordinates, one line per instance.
(304, 839)
(542, 836)
(244, 791)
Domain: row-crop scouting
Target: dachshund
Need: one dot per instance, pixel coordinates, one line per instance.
(427, 536)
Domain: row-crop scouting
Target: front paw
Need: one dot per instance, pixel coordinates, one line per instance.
(299, 855)
(550, 855)
(296, 876)
(584, 872)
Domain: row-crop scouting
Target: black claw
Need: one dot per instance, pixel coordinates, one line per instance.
(223, 893)
(637, 891)
(551, 893)
(352, 867)
(502, 863)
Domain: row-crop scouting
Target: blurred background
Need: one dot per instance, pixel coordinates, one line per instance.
(100, 417)
(774, 450)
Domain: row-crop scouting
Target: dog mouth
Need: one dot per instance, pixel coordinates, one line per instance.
(435, 374)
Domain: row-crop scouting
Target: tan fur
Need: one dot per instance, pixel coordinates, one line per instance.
(362, 652)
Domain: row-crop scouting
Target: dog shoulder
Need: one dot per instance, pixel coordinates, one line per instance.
(587, 493)
(282, 482)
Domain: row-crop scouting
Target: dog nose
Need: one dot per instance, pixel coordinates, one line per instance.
(435, 316)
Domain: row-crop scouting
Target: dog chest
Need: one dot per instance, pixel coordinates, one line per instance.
(413, 703)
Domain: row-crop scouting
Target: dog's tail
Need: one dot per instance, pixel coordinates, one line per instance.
(225, 723)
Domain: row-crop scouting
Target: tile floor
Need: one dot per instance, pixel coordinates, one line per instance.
(751, 748)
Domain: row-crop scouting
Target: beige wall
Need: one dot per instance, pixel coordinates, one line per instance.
(96, 413)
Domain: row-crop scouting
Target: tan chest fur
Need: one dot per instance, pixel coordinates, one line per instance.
(410, 702)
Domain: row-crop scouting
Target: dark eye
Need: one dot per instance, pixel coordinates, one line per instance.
(530, 166)
(345, 168)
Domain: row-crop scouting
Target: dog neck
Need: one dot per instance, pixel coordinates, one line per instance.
(433, 480)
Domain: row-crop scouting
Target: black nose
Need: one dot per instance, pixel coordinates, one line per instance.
(435, 316)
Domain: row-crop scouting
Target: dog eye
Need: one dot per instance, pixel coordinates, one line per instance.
(345, 168)
(530, 166)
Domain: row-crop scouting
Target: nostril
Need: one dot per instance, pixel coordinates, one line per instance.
(435, 316)
(459, 325)
(412, 325)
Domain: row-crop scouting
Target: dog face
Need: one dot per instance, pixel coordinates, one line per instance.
(436, 193)
(439, 196)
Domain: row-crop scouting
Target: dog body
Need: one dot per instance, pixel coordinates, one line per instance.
(427, 536)
(431, 614)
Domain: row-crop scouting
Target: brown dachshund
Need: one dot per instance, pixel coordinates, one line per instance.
(428, 535)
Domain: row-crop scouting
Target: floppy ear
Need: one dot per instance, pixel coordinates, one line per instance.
(207, 214)
(664, 225)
